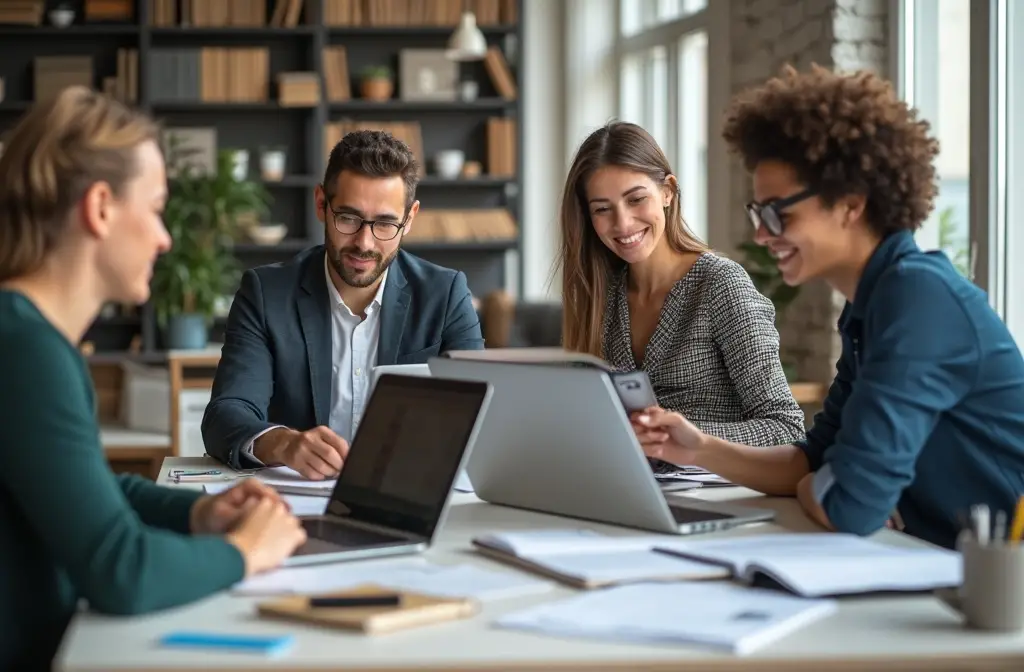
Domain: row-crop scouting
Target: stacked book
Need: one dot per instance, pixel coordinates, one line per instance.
(501, 147)
(464, 226)
(21, 12)
(109, 10)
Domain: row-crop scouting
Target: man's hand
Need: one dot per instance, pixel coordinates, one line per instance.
(216, 514)
(317, 454)
(805, 495)
(667, 435)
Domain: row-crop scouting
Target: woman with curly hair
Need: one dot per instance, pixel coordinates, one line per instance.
(926, 412)
(642, 292)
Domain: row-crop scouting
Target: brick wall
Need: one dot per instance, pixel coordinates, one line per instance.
(764, 35)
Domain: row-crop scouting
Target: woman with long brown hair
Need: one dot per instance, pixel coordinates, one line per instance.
(643, 292)
(82, 189)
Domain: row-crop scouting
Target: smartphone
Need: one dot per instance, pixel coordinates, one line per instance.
(635, 390)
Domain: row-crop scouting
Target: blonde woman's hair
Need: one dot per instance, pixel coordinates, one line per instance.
(54, 154)
(587, 264)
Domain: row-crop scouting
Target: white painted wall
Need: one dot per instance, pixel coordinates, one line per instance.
(544, 166)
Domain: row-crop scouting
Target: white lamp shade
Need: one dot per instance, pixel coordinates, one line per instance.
(467, 43)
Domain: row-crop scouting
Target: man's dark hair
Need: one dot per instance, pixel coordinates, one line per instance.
(373, 154)
(842, 134)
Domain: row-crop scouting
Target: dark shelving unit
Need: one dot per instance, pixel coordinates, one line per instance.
(454, 124)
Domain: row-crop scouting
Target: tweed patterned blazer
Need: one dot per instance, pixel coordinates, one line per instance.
(713, 356)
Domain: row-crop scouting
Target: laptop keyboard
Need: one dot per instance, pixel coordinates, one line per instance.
(345, 536)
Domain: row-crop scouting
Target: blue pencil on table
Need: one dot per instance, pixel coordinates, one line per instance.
(270, 645)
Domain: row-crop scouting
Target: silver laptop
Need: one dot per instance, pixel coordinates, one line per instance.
(422, 370)
(392, 495)
(557, 440)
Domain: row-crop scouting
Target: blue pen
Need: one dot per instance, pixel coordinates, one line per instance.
(271, 645)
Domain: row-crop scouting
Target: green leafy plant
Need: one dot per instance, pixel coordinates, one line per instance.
(203, 215)
(954, 245)
(377, 72)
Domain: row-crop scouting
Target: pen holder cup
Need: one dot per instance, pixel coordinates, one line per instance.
(991, 596)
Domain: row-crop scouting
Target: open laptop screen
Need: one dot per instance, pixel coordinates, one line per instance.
(407, 452)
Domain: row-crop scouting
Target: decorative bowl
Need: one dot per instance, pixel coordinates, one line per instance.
(268, 234)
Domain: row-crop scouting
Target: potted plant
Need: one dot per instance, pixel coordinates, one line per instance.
(377, 83)
(765, 274)
(202, 216)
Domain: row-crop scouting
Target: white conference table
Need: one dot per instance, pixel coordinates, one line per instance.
(877, 632)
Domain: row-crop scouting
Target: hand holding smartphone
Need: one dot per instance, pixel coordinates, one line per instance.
(635, 390)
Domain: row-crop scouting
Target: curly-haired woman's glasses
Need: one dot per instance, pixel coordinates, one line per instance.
(350, 224)
(769, 215)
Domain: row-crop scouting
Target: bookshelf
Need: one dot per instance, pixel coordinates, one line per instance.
(372, 33)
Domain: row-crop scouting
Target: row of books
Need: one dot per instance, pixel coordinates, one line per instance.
(418, 12)
(222, 13)
(209, 75)
(288, 13)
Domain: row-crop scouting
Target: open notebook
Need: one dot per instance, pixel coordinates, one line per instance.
(586, 559)
(718, 615)
(820, 564)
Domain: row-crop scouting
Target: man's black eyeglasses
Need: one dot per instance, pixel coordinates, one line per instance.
(769, 215)
(382, 229)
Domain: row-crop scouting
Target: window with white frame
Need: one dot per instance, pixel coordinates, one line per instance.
(935, 79)
(1009, 100)
(962, 66)
(662, 53)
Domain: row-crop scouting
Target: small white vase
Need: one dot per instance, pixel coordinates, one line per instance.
(449, 163)
(240, 164)
(272, 165)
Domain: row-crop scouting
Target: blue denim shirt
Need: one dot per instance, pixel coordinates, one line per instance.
(926, 412)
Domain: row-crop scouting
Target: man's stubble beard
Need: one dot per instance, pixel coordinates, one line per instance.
(361, 281)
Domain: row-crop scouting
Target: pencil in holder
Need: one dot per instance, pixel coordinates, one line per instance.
(991, 595)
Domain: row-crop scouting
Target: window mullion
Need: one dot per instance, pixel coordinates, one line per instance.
(674, 113)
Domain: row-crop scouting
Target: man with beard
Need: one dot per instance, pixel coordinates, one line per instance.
(302, 336)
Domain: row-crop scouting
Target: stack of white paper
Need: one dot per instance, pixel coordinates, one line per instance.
(816, 564)
(718, 615)
(407, 574)
(288, 481)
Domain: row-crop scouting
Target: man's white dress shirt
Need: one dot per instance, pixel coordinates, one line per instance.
(354, 341)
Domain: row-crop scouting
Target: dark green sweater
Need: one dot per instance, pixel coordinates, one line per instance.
(70, 528)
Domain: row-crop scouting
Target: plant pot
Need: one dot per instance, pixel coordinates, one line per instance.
(376, 88)
(186, 331)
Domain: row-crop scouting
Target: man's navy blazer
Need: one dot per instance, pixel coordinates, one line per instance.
(275, 366)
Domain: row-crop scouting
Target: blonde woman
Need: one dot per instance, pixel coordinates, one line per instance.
(82, 188)
(641, 291)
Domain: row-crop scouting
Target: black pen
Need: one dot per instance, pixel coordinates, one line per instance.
(362, 601)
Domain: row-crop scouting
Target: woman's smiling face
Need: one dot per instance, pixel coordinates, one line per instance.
(627, 209)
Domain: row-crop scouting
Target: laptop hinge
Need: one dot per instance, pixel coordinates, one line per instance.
(372, 527)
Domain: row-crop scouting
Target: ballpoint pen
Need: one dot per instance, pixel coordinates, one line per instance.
(999, 528)
(982, 525)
